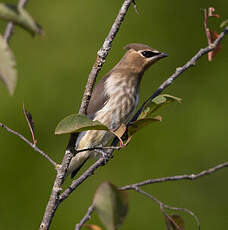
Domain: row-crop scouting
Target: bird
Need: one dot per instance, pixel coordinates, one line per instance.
(114, 100)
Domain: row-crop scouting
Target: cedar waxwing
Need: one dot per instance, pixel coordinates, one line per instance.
(114, 100)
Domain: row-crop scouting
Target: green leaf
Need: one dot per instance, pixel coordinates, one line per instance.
(76, 123)
(156, 103)
(174, 222)
(8, 73)
(111, 205)
(21, 17)
(140, 123)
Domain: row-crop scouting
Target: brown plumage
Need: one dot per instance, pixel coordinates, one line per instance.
(114, 99)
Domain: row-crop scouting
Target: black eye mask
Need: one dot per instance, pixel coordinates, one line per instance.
(149, 54)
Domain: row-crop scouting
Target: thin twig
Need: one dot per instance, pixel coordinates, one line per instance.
(9, 29)
(54, 199)
(162, 206)
(165, 179)
(82, 178)
(90, 171)
(178, 177)
(85, 218)
(30, 144)
(100, 148)
(180, 70)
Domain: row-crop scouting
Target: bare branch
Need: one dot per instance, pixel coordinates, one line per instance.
(162, 206)
(85, 218)
(9, 29)
(56, 189)
(83, 177)
(30, 144)
(179, 177)
(100, 148)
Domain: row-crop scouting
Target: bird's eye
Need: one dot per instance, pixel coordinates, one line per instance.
(149, 54)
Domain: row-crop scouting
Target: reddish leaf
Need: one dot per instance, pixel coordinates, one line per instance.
(211, 35)
(120, 132)
(212, 54)
(30, 122)
(211, 13)
(174, 222)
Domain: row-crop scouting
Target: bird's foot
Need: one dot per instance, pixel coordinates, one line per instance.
(106, 155)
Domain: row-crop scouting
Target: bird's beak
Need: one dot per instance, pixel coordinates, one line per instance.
(162, 55)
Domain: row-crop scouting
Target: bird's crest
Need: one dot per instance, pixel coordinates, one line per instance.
(137, 46)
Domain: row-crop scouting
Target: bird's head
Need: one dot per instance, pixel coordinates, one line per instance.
(140, 57)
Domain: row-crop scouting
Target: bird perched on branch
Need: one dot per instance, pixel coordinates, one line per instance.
(114, 100)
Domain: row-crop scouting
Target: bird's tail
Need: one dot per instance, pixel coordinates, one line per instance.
(77, 163)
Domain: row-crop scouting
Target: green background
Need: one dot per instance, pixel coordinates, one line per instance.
(52, 72)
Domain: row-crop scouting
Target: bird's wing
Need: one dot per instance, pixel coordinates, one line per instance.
(98, 98)
(97, 102)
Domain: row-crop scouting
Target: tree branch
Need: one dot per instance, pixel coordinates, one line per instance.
(158, 180)
(102, 53)
(163, 206)
(82, 178)
(85, 218)
(9, 29)
(178, 177)
(30, 144)
(100, 148)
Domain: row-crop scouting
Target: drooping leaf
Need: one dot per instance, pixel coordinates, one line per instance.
(21, 17)
(140, 123)
(120, 132)
(76, 123)
(111, 205)
(8, 73)
(156, 103)
(174, 222)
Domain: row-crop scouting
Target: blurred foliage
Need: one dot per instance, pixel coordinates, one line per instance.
(20, 17)
(111, 205)
(52, 72)
(8, 73)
